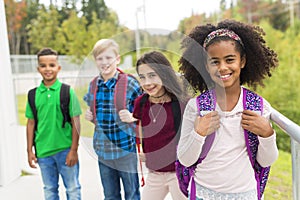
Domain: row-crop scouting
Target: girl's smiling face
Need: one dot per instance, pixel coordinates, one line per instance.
(150, 81)
(224, 64)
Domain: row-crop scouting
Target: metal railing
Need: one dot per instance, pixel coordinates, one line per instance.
(293, 130)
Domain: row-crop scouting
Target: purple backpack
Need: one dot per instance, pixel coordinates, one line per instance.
(207, 102)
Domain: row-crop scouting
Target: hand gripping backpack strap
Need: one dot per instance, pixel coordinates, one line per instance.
(206, 102)
(120, 93)
(254, 102)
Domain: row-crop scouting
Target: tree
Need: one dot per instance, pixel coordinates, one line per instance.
(279, 16)
(67, 7)
(15, 12)
(73, 37)
(97, 6)
(187, 24)
(32, 7)
(43, 30)
(247, 8)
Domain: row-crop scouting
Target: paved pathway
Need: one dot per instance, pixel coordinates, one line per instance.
(29, 187)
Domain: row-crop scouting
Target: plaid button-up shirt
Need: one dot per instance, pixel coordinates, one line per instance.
(112, 138)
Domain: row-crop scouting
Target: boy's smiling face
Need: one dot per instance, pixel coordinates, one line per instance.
(107, 62)
(48, 67)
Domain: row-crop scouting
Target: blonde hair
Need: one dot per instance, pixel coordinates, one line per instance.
(104, 44)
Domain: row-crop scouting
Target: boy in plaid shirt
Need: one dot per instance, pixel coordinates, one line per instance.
(114, 140)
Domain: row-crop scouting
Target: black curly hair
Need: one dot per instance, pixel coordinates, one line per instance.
(260, 59)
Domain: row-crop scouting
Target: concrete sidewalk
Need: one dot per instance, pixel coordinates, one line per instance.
(30, 187)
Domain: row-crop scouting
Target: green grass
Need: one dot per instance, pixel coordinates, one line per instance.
(280, 181)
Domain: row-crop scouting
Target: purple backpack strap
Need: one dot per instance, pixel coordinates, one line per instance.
(254, 102)
(205, 102)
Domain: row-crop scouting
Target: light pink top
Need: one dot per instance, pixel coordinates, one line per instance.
(227, 167)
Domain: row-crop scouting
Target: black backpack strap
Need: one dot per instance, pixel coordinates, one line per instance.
(64, 103)
(31, 101)
(143, 100)
(139, 130)
(176, 109)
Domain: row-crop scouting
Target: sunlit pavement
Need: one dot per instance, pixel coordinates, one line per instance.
(29, 187)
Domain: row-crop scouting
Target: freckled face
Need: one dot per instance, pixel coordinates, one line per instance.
(150, 81)
(225, 64)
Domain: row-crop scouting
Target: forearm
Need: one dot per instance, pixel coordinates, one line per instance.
(30, 135)
(190, 143)
(267, 152)
(75, 133)
(189, 148)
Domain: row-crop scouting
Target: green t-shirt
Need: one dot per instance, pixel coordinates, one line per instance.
(50, 137)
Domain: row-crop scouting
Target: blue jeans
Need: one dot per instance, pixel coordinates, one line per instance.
(53, 166)
(125, 168)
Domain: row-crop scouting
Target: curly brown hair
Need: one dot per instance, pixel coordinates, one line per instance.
(260, 59)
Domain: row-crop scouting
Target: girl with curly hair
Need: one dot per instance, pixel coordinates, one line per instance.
(220, 60)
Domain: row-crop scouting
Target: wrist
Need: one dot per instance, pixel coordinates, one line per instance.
(133, 119)
(29, 150)
(75, 149)
(268, 133)
(201, 133)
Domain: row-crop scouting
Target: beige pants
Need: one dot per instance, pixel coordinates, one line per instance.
(159, 184)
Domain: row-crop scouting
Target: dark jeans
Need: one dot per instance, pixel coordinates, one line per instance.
(125, 169)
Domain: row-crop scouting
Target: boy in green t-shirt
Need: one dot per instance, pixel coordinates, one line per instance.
(55, 146)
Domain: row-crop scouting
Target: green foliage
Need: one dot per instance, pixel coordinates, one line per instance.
(43, 30)
(281, 89)
(69, 32)
(279, 185)
(280, 16)
(91, 7)
(73, 38)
